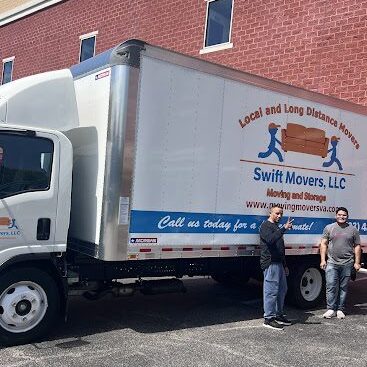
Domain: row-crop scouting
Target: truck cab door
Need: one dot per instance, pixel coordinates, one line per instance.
(29, 168)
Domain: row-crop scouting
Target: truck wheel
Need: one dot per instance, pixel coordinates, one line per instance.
(306, 286)
(29, 305)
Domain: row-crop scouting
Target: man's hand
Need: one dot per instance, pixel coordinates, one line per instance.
(357, 266)
(323, 265)
(288, 224)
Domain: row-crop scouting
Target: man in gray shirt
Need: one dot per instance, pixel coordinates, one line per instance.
(342, 244)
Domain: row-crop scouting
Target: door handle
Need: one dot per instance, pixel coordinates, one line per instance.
(43, 229)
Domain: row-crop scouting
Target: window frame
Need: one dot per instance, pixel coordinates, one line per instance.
(85, 37)
(5, 61)
(219, 46)
(51, 164)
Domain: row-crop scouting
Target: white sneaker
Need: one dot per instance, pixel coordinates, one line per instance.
(340, 314)
(329, 314)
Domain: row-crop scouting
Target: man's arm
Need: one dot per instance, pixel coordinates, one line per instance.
(357, 250)
(269, 236)
(357, 257)
(323, 251)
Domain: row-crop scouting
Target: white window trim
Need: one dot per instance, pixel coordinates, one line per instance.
(219, 46)
(88, 35)
(84, 37)
(12, 68)
(9, 59)
(26, 9)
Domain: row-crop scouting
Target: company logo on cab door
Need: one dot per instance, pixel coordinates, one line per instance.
(11, 231)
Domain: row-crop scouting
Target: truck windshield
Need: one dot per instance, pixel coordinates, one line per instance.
(25, 164)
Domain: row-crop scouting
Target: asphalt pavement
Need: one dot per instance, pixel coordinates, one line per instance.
(209, 325)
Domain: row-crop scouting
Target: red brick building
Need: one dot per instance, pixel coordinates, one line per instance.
(315, 44)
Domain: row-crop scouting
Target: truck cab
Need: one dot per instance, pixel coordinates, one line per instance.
(34, 219)
(35, 199)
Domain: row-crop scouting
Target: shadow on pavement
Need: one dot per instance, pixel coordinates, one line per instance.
(204, 304)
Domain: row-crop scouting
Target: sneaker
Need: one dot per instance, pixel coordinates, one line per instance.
(272, 324)
(329, 314)
(340, 314)
(282, 320)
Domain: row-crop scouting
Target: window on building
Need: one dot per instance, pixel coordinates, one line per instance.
(7, 70)
(218, 23)
(87, 46)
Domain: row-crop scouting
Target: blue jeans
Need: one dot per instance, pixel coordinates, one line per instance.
(337, 278)
(275, 289)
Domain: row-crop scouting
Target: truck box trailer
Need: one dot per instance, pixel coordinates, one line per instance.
(142, 162)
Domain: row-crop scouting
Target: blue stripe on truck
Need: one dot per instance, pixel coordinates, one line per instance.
(183, 222)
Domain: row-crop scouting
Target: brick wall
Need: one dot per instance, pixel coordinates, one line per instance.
(316, 44)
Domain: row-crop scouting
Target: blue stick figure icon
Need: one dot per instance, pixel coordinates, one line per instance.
(333, 159)
(273, 129)
(13, 225)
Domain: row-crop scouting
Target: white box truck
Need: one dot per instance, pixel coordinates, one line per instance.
(143, 163)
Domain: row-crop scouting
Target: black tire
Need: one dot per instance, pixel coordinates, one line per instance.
(306, 286)
(29, 305)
